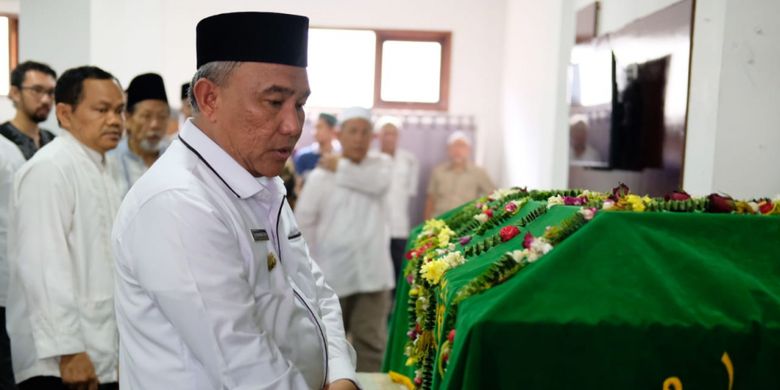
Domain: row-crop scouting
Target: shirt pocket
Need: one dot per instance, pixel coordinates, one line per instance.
(296, 257)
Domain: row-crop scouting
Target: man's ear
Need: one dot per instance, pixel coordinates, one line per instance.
(207, 95)
(64, 115)
(15, 95)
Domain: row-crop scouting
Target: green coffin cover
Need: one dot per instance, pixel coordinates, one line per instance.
(630, 301)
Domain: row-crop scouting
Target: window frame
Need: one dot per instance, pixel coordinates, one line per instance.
(13, 41)
(444, 38)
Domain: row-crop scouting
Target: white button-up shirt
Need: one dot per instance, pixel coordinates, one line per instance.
(126, 167)
(61, 290)
(11, 158)
(343, 215)
(215, 286)
(403, 186)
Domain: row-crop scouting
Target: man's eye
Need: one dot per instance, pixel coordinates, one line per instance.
(276, 103)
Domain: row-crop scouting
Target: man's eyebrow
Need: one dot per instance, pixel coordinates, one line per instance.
(278, 89)
(283, 90)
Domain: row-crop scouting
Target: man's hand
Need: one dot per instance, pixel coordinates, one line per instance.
(341, 384)
(77, 372)
(329, 162)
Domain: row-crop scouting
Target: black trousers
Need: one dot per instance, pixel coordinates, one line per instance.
(397, 252)
(55, 383)
(7, 381)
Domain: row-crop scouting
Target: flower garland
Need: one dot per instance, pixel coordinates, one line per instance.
(435, 252)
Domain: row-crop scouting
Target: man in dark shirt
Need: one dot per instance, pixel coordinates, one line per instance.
(32, 92)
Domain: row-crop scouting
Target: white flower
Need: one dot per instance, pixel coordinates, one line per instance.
(587, 213)
(608, 204)
(532, 256)
(753, 206)
(518, 255)
(454, 259)
(481, 217)
(554, 201)
(502, 193)
(540, 246)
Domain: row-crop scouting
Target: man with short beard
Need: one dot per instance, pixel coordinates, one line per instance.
(147, 120)
(32, 92)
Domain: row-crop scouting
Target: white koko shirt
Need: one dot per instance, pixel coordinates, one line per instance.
(343, 215)
(11, 158)
(402, 188)
(61, 290)
(126, 167)
(215, 287)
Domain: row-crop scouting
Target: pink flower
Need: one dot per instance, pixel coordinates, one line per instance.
(418, 380)
(528, 240)
(451, 336)
(508, 232)
(677, 195)
(721, 204)
(465, 240)
(572, 201)
(511, 207)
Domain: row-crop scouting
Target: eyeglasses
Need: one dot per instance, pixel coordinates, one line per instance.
(39, 91)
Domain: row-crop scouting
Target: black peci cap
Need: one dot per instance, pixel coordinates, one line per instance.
(253, 37)
(147, 86)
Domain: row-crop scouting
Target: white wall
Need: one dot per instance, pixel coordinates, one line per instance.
(134, 36)
(734, 128)
(535, 114)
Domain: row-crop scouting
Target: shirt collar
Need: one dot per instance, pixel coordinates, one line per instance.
(94, 156)
(235, 177)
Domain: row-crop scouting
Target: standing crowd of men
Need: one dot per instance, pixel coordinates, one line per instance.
(166, 256)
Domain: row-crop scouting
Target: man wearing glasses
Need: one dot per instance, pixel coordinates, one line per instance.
(32, 91)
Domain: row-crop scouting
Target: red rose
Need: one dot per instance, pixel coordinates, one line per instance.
(508, 232)
(677, 195)
(721, 204)
(527, 240)
(410, 255)
(489, 213)
(451, 336)
(766, 207)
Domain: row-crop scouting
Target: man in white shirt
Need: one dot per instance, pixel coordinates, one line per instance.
(215, 285)
(403, 187)
(147, 118)
(342, 213)
(11, 159)
(60, 296)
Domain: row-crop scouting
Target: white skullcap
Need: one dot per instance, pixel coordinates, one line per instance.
(458, 136)
(354, 112)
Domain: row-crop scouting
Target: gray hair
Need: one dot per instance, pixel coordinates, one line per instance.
(217, 72)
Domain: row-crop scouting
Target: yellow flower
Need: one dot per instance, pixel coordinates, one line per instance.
(636, 202)
(434, 270)
(444, 236)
